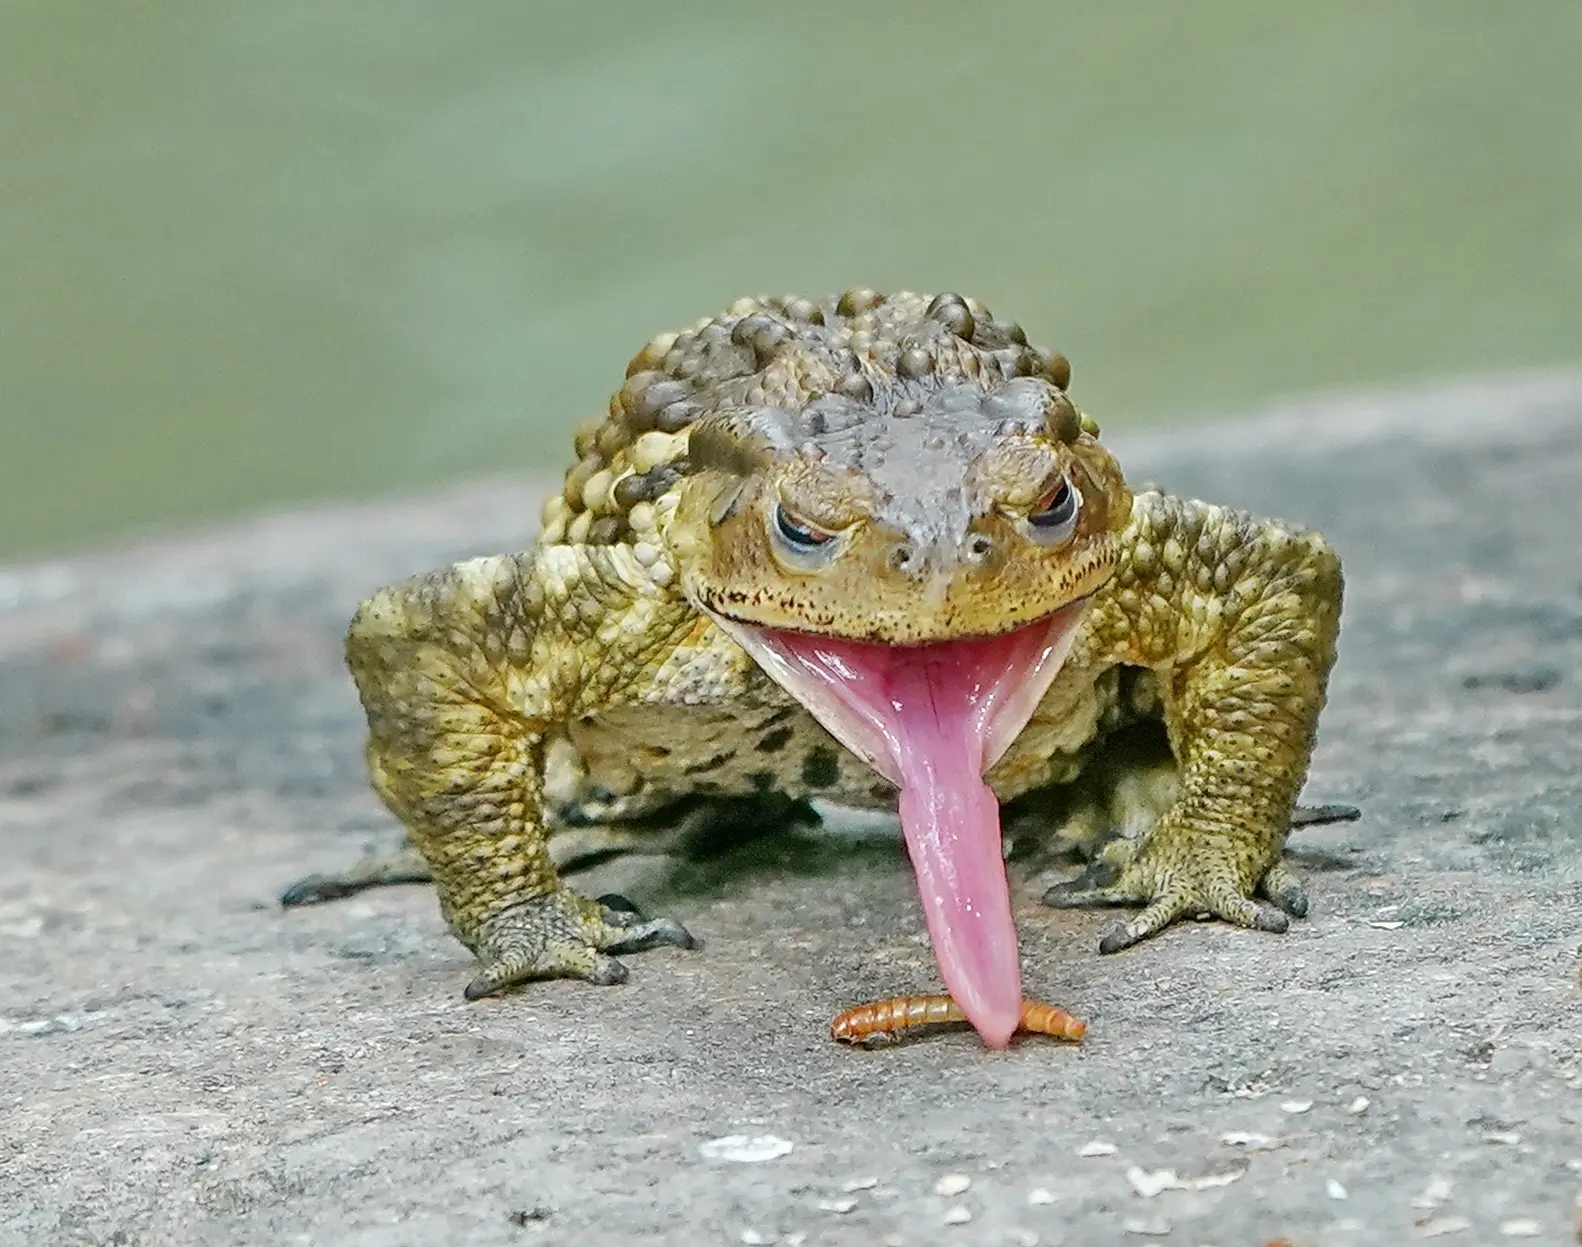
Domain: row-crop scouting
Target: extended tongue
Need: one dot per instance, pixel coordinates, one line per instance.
(932, 719)
(951, 821)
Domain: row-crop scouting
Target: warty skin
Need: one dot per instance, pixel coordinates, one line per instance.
(916, 440)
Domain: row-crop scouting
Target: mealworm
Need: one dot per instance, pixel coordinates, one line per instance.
(890, 1017)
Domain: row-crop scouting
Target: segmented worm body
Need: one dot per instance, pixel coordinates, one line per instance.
(902, 1013)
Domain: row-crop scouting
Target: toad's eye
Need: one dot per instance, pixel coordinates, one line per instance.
(798, 533)
(1054, 519)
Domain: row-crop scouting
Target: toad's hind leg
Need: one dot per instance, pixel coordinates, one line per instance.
(692, 826)
(573, 851)
(372, 870)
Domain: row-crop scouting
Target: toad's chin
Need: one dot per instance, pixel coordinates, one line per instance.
(932, 719)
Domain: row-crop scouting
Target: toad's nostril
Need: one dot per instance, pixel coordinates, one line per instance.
(979, 547)
(904, 557)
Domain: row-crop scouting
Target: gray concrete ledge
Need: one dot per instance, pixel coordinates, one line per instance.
(182, 1062)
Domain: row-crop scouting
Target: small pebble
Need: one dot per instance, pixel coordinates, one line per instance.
(1358, 1106)
(1435, 1193)
(1296, 1106)
(952, 1184)
(1250, 1140)
(1444, 1225)
(1041, 1195)
(836, 1205)
(1334, 1190)
(1150, 1183)
(1387, 926)
(957, 1215)
(744, 1149)
(1098, 1148)
(859, 1184)
(1520, 1227)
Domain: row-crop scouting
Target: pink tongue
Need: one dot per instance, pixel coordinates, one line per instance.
(927, 715)
(951, 821)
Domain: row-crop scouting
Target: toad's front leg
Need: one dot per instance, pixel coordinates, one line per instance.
(460, 674)
(1239, 617)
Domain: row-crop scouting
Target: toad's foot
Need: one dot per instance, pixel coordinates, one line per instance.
(564, 935)
(1189, 882)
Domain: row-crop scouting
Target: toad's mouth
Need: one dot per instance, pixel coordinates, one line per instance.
(932, 719)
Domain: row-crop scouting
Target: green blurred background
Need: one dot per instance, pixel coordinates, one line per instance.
(324, 248)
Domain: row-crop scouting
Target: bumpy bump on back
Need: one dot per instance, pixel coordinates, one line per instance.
(879, 352)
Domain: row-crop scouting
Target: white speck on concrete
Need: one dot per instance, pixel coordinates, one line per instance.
(957, 1215)
(1521, 1227)
(746, 1149)
(859, 1184)
(1440, 1226)
(1151, 1227)
(1250, 1140)
(1210, 1180)
(61, 1022)
(837, 1205)
(1358, 1106)
(952, 1184)
(1296, 1106)
(1149, 1183)
(1435, 1193)
(1334, 1190)
(1097, 1147)
(1509, 1137)
(1041, 1195)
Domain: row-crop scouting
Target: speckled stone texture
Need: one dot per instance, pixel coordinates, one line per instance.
(181, 1061)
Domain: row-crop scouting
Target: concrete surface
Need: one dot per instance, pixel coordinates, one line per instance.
(183, 1062)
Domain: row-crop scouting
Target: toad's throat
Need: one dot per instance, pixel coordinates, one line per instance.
(932, 719)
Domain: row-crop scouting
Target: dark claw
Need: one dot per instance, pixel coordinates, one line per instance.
(316, 889)
(658, 933)
(620, 904)
(478, 989)
(608, 972)
(1284, 887)
(1271, 919)
(1293, 900)
(1313, 815)
(1115, 939)
(1086, 890)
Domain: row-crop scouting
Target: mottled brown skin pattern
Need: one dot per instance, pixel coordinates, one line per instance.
(596, 673)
